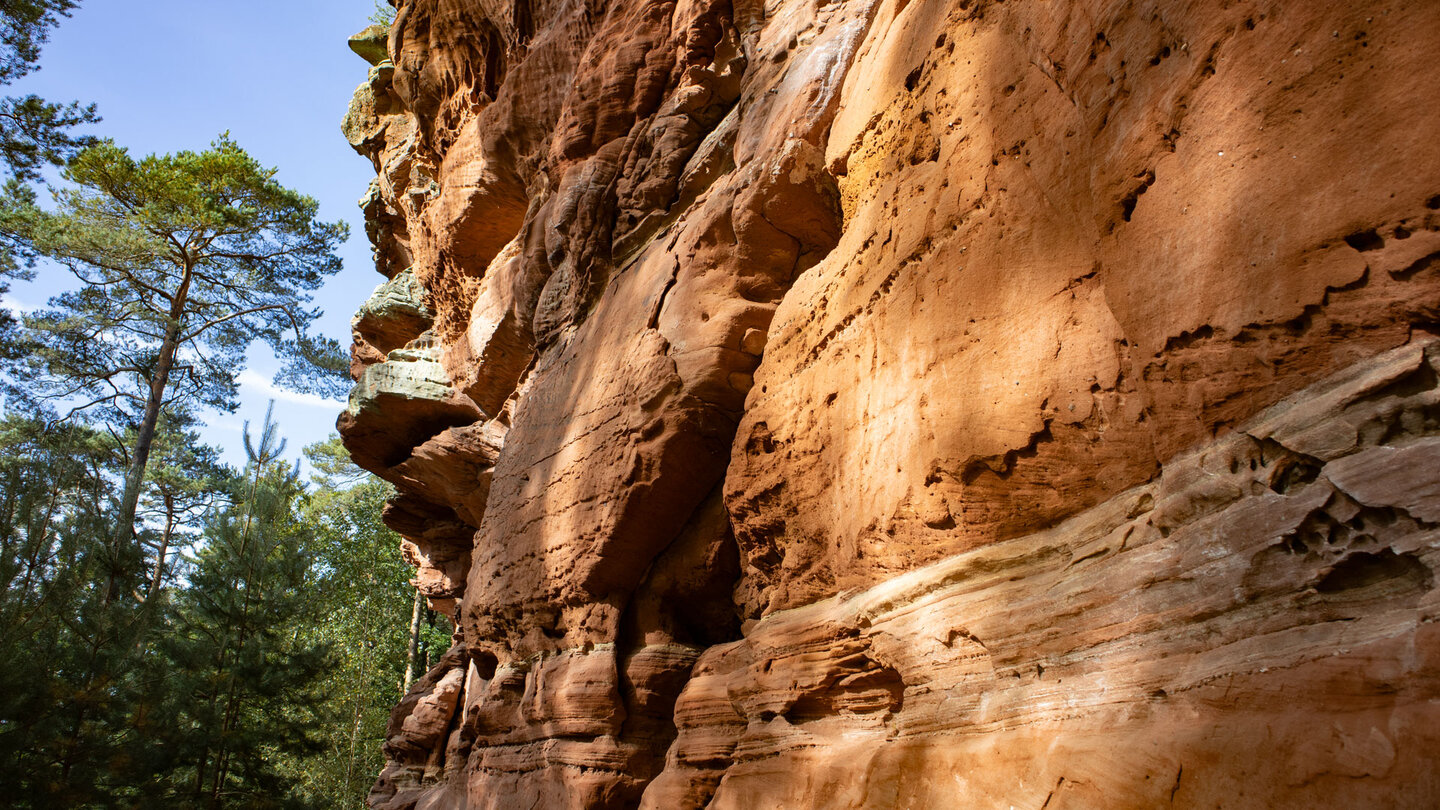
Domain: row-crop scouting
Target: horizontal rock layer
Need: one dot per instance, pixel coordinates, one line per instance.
(1255, 628)
(908, 403)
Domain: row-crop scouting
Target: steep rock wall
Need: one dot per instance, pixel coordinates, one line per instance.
(887, 403)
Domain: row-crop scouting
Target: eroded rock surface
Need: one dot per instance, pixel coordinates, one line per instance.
(909, 404)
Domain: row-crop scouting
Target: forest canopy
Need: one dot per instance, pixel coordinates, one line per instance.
(159, 607)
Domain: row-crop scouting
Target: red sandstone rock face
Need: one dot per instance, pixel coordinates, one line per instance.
(883, 404)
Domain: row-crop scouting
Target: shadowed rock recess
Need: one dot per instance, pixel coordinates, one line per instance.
(909, 404)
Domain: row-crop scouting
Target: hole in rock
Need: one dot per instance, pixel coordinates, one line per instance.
(1402, 572)
(866, 692)
(1127, 205)
(485, 664)
(1292, 474)
(1365, 240)
(1185, 340)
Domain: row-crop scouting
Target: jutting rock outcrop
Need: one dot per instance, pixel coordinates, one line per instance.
(909, 403)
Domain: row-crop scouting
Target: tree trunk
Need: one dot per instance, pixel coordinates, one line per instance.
(358, 716)
(39, 546)
(429, 622)
(135, 476)
(164, 549)
(414, 642)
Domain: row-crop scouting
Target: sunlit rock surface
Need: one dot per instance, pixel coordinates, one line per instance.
(909, 404)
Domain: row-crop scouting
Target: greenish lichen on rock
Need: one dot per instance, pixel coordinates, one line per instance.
(394, 314)
(398, 404)
(370, 44)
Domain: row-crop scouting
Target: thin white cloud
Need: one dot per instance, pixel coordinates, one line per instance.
(225, 422)
(250, 380)
(17, 307)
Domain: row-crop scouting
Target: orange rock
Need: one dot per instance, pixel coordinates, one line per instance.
(905, 403)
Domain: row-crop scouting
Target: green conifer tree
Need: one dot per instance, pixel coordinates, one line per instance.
(248, 681)
(184, 480)
(34, 133)
(69, 685)
(182, 262)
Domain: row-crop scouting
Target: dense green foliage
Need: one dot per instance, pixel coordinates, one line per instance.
(181, 262)
(260, 674)
(362, 589)
(55, 637)
(384, 13)
(249, 678)
(176, 633)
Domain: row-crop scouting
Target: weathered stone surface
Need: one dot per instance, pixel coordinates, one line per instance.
(392, 317)
(909, 403)
(396, 405)
(1241, 631)
(370, 44)
(1076, 243)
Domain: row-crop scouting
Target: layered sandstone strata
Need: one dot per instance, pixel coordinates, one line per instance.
(909, 404)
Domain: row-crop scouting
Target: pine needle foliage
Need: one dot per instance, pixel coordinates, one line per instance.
(34, 132)
(181, 261)
(384, 13)
(68, 685)
(251, 678)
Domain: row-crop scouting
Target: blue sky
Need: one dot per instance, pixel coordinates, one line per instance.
(277, 74)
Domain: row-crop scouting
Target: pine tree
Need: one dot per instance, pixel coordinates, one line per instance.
(184, 480)
(34, 133)
(182, 262)
(250, 693)
(67, 689)
(384, 13)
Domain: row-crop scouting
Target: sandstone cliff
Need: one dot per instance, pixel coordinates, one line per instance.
(909, 403)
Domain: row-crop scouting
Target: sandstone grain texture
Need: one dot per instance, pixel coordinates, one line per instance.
(909, 404)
